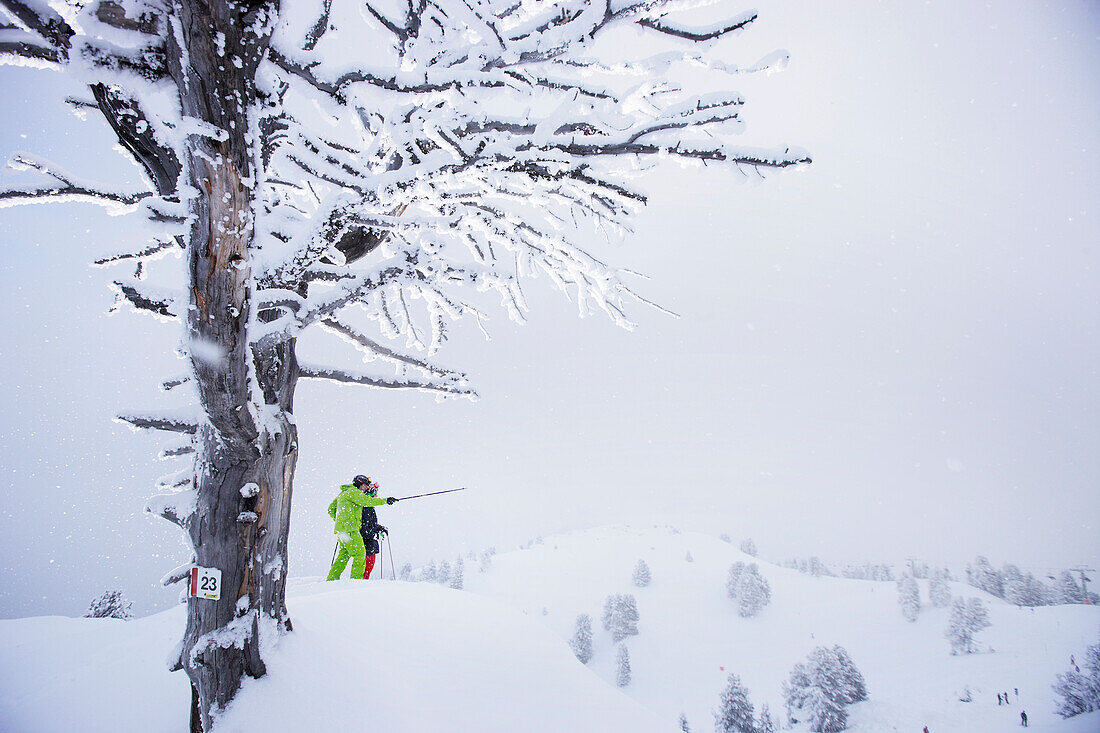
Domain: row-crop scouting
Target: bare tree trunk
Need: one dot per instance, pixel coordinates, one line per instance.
(246, 447)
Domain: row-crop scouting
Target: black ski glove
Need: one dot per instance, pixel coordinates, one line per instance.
(391, 500)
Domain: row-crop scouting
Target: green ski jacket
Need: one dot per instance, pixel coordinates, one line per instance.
(347, 508)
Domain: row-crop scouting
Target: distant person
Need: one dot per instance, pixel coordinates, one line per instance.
(926, 729)
(347, 510)
(999, 702)
(1006, 698)
(1016, 692)
(1023, 718)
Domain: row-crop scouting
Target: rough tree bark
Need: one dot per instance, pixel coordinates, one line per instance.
(246, 447)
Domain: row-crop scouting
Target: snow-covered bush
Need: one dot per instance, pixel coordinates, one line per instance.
(406, 571)
(909, 598)
(967, 618)
(1080, 692)
(581, 643)
(111, 604)
(641, 574)
(622, 667)
(939, 594)
(620, 615)
(735, 712)
(749, 588)
(749, 547)
(820, 689)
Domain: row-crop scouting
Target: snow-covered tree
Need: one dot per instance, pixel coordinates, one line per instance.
(356, 168)
(581, 643)
(1080, 692)
(110, 604)
(622, 666)
(939, 593)
(820, 689)
(766, 723)
(406, 571)
(688, 557)
(749, 547)
(486, 560)
(457, 574)
(735, 711)
(909, 597)
(684, 727)
(968, 617)
(620, 615)
(443, 573)
(1067, 589)
(748, 587)
(641, 575)
(982, 575)
(725, 538)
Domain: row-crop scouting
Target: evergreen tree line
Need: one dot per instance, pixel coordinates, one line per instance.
(1024, 589)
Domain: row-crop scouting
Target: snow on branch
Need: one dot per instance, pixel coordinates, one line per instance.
(158, 304)
(375, 349)
(340, 375)
(698, 34)
(169, 423)
(64, 187)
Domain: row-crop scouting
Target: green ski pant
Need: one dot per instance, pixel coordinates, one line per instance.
(351, 547)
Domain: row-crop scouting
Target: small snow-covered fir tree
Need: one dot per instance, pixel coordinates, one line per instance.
(428, 573)
(725, 538)
(1080, 692)
(620, 615)
(820, 689)
(581, 643)
(939, 593)
(443, 573)
(1067, 589)
(766, 723)
(457, 574)
(406, 571)
(754, 594)
(688, 557)
(748, 587)
(486, 561)
(641, 575)
(749, 547)
(909, 597)
(622, 667)
(684, 727)
(982, 575)
(735, 712)
(967, 618)
(110, 604)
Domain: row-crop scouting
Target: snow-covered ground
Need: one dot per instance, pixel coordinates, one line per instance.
(418, 657)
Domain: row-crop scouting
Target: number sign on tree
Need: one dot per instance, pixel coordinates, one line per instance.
(363, 168)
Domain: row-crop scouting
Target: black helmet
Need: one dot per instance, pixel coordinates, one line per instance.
(360, 479)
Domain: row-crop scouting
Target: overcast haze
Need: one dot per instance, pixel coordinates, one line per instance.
(892, 353)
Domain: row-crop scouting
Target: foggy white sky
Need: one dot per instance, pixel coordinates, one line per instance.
(891, 354)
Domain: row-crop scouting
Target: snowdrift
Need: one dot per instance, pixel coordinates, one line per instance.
(417, 657)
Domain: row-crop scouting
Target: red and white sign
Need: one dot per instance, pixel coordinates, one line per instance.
(206, 583)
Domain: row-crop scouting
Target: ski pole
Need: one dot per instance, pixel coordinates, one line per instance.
(434, 493)
(389, 544)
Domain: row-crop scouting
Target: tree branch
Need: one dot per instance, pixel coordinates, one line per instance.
(337, 375)
(697, 35)
(168, 424)
(381, 351)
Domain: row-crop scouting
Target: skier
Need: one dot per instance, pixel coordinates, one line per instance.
(372, 533)
(1023, 718)
(999, 699)
(346, 509)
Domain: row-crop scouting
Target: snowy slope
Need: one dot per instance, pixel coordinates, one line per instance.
(494, 657)
(419, 658)
(690, 636)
